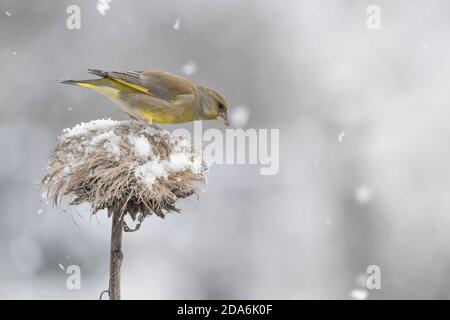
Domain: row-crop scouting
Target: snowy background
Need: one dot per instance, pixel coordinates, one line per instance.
(379, 195)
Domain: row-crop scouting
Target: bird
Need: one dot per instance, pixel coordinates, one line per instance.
(154, 96)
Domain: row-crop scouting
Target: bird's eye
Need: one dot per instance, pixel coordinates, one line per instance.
(221, 106)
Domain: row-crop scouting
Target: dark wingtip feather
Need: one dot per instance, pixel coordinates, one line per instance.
(67, 81)
(99, 73)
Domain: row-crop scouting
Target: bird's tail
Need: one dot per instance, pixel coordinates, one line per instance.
(91, 84)
(74, 82)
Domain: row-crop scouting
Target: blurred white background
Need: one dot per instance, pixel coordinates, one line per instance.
(310, 68)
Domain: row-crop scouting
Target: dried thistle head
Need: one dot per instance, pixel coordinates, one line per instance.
(123, 166)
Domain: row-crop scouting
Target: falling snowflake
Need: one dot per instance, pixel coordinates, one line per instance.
(8, 13)
(341, 136)
(359, 294)
(61, 266)
(239, 116)
(69, 108)
(189, 68)
(14, 53)
(40, 211)
(363, 194)
(327, 221)
(176, 25)
(103, 6)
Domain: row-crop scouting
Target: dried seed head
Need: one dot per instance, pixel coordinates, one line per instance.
(123, 166)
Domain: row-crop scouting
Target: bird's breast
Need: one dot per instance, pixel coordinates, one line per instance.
(167, 115)
(158, 110)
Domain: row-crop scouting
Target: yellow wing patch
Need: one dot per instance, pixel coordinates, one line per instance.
(134, 86)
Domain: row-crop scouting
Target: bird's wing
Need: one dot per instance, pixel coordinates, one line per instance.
(161, 84)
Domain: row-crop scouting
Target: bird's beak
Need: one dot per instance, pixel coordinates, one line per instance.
(224, 118)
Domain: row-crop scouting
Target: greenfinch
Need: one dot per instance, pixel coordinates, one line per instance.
(155, 96)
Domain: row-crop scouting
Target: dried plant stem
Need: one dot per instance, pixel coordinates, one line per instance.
(116, 256)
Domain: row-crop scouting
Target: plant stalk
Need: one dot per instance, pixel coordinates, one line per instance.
(116, 256)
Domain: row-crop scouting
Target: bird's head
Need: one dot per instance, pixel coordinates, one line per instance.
(213, 105)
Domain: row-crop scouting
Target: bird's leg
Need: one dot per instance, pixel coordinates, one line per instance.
(147, 123)
(154, 126)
